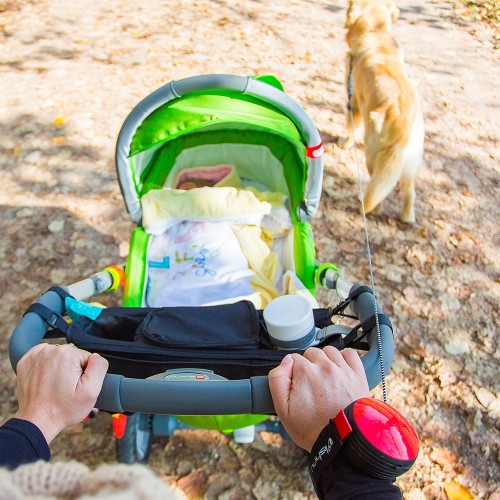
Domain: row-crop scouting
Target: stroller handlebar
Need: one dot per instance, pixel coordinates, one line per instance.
(202, 397)
(217, 397)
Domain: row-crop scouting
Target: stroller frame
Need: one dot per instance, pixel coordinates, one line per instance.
(215, 397)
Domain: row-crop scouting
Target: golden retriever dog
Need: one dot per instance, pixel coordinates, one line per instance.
(385, 105)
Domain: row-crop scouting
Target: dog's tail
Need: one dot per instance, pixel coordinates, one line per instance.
(387, 159)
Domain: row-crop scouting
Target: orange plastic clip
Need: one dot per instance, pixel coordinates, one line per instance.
(119, 424)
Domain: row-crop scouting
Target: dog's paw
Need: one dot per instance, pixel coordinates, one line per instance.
(408, 217)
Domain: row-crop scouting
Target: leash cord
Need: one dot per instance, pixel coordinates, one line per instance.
(350, 93)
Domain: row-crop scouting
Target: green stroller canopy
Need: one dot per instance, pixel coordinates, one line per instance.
(224, 110)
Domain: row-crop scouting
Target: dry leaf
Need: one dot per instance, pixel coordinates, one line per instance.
(455, 491)
(59, 121)
(58, 140)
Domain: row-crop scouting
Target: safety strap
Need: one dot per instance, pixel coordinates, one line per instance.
(359, 290)
(60, 291)
(339, 309)
(53, 320)
(353, 339)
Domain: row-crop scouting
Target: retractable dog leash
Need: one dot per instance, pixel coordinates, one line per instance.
(350, 95)
(374, 437)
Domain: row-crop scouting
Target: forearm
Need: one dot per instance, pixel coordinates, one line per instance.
(21, 442)
(341, 482)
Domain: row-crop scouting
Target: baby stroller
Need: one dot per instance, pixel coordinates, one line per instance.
(222, 175)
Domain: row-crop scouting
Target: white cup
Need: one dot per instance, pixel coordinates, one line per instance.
(290, 322)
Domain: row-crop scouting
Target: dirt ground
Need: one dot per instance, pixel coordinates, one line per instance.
(69, 74)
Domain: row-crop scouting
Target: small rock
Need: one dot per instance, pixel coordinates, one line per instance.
(456, 347)
(474, 421)
(449, 303)
(415, 494)
(484, 396)
(25, 213)
(494, 409)
(56, 226)
(33, 157)
(123, 249)
(101, 58)
(448, 372)
(184, 467)
(58, 276)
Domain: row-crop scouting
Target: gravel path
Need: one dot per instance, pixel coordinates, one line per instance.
(69, 74)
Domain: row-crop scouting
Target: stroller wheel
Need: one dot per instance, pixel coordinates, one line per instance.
(135, 444)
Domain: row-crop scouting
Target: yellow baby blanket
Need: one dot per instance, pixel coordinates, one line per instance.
(241, 209)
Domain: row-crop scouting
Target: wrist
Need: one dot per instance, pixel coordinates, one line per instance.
(46, 426)
(328, 446)
(373, 437)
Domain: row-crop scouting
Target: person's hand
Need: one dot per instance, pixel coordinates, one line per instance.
(57, 386)
(311, 389)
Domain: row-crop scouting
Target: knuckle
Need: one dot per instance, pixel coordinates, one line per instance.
(330, 368)
(330, 349)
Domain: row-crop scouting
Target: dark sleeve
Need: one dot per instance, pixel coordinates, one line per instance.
(21, 442)
(341, 482)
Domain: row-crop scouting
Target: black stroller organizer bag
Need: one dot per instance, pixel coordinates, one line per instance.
(232, 339)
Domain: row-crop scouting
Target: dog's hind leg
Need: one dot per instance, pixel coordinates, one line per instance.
(377, 209)
(407, 187)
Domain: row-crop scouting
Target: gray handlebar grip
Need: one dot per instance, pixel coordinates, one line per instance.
(363, 307)
(203, 397)
(32, 328)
